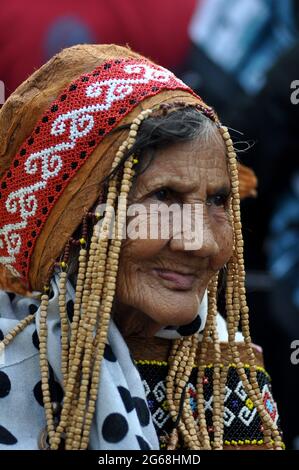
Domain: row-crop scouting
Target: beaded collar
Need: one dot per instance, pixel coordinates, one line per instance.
(242, 424)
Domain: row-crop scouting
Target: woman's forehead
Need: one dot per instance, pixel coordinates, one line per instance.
(186, 161)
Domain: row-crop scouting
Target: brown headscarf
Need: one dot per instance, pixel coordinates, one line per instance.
(18, 118)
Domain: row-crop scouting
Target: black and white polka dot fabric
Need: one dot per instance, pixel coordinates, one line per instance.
(21, 410)
(122, 419)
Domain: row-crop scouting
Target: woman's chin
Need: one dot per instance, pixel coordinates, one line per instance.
(174, 316)
(181, 320)
(179, 307)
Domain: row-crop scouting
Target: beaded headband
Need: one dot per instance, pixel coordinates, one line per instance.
(62, 140)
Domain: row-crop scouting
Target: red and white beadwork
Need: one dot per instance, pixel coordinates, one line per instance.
(62, 140)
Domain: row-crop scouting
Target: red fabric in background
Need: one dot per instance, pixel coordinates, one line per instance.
(31, 31)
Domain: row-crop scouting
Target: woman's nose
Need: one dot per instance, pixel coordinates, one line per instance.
(201, 240)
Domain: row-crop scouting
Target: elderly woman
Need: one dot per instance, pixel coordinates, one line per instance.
(108, 339)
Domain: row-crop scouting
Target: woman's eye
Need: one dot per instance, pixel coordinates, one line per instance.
(162, 194)
(218, 200)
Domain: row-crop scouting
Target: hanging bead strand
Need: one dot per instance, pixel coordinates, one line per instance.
(251, 386)
(63, 315)
(44, 367)
(110, 279)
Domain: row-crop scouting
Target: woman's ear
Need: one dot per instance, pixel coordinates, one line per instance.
(247, 181)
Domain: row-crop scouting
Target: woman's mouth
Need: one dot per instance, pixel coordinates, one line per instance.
(176, 280)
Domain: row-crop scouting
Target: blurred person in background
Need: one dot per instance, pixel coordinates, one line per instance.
(248, 37)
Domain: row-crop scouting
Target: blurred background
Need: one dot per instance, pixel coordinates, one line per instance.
(242, 57)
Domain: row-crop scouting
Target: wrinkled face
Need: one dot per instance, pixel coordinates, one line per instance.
(162, 281)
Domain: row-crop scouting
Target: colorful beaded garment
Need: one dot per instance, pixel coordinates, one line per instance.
(242, 424)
